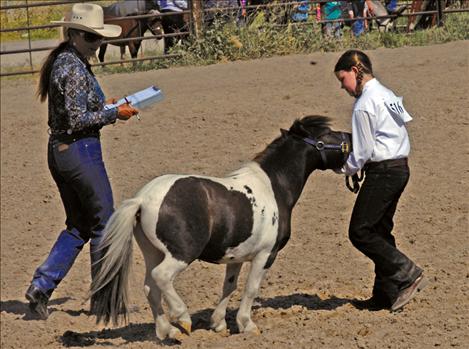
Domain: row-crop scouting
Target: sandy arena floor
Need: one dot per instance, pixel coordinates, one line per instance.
(212, 120)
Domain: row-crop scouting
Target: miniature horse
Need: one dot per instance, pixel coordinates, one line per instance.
(244, 217)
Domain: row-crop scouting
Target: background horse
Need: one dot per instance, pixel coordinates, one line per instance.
(244, 217)
(174, 22)
(427, 20)
(131, 27)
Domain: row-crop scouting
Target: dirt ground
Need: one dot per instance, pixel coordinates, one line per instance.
(212, 120)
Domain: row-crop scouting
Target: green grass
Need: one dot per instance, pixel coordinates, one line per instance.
(227, 42)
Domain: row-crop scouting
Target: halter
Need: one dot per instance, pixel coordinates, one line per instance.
(321, 147)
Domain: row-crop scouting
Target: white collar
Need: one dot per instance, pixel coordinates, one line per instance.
(369, 84)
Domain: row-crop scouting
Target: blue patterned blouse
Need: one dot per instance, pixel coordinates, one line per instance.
(76, 101)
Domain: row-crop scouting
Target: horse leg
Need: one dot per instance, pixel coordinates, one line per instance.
(218, 322)
(102, 51)
(163, 275)
(122, 48)
(255, 277)
(134, 50)
(153, 257)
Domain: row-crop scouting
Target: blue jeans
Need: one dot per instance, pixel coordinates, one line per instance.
(358, 27)
(371, 226)
(333, 29)
(391, 5)
(78, 170)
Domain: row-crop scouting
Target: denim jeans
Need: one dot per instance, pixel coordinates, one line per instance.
(371, 226)
(333, 29)
(77, 168)
(391, 5)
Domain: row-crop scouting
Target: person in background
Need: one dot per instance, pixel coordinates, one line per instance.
(301, 11)
(380, 147)
(334, 10)
(76, 115)
(174, 22)
(391, 5)
(360, 8)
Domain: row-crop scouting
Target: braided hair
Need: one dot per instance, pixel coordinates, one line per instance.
(357, 59)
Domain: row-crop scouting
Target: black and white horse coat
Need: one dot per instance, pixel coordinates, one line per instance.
(244, 217)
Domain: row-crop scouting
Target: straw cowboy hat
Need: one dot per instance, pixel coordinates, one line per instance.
(90, 18)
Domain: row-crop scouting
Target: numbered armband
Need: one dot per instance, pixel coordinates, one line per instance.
(396, 109)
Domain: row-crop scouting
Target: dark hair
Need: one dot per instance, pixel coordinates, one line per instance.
(354, 58)
(43, 87)
(44, 76)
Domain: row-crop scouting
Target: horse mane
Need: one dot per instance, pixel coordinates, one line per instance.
(308, 126)
(311, 125)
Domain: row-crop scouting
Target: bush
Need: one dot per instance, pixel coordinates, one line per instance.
(228, 42)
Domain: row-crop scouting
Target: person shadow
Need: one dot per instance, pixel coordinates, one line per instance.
(22, 308)
(138, 333)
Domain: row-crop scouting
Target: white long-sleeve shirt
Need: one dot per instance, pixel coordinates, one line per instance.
(378, 127)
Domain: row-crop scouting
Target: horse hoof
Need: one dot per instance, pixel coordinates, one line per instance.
(252, 329)
(219, 328)
(169, 332)
(176, 335)
(224, 333)
(187, 326)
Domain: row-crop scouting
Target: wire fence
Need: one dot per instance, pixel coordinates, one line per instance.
(197, 18)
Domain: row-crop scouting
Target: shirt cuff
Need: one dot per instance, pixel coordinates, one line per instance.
(111, 115)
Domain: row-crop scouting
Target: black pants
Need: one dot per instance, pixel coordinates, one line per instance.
(371, 225)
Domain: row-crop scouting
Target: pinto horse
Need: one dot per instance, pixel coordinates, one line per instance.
(244, 217)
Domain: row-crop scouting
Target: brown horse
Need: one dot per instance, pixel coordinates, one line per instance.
(132, 28)
(428, 20)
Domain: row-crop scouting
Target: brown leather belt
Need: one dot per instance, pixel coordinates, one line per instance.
(385, 164)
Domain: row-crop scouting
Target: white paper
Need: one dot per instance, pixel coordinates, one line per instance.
(140, 99)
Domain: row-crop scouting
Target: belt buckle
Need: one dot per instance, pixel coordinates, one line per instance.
(344, 147)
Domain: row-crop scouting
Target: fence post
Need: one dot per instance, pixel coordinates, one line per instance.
(29, 36)
(197, 15)
(440, 4)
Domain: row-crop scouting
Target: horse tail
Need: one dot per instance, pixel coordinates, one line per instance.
(109, 287)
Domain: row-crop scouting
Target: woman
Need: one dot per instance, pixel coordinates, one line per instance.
(380, 147)
(76, 115)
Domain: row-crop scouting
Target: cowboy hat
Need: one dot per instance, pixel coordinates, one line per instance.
(90, 18)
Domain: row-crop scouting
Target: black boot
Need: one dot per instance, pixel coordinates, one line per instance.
(375, 303)
(37, 302)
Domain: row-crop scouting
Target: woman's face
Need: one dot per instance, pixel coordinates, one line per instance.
(348, 80)
(86, 43)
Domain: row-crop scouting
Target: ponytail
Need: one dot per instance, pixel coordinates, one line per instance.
(43, 87)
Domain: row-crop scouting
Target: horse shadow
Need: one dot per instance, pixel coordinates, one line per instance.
(138, 333)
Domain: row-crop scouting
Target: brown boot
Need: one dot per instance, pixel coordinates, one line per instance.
(408, 293)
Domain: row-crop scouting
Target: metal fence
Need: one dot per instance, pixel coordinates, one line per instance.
(196, 16)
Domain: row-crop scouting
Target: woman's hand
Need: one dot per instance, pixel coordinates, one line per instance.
(126, 111)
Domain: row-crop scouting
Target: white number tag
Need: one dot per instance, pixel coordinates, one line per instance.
(396, 108)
